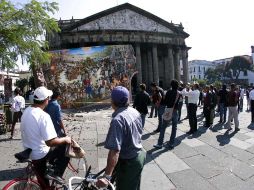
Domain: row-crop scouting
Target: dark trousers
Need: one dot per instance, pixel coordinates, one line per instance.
(56, 157)
(128, 172)
(16, 118)
(252, 110)
(154, 109)
(179, 109)
(207, 114)
(192, 112)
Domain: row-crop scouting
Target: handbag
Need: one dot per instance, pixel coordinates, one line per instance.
(73, 150)
(167, 115)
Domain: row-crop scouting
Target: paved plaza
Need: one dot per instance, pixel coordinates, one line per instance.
(211, 159)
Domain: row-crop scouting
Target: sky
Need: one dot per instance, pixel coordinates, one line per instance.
(218, 28)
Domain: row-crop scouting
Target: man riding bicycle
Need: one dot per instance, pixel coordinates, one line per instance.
(38, 133)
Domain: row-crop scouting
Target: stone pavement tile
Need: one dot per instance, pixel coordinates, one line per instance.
(102, 152)
(239, 144)
(192, 142)
(154, 178)
(204, 166)
(250, 134)
(251, 149)
(92, 160)
(238, 153)
(210, 139)
(184, 151)
(241, 136)
(88, 144)
(102, 162)
(89, 126)
(101, 139)
(228, 181)
(212, 153)
(241, 169)
(189, 180)
(250, 140)
(148, 144)
(169, 162)
(89, 135)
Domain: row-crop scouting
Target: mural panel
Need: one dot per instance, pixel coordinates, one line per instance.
(88, 74)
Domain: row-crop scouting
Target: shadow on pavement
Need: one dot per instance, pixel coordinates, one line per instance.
(225, 138)
(101, 144)
(8, 139)
(217, 127)
(7, 175)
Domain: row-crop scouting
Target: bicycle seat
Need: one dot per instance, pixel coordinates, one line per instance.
(23, 156)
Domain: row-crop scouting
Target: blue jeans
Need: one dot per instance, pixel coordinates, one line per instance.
(161, 110)
(223, 112)
(143, 117)
(165, 125)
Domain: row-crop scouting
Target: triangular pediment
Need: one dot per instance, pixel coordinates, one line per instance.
(125, 17)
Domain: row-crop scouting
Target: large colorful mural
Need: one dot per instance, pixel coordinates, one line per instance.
(88, 74)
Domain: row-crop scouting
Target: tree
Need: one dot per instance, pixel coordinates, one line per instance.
(237, 65)
(22, 32)
(22, 83)
(213, 75)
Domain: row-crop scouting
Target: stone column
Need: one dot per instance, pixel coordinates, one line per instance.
(155, 64)
(144, 67)
(185, 66)
(138, 63)
(169, 69)
(150, 65)
(177, 63)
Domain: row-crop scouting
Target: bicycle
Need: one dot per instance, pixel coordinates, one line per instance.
(76, 167)
(74, 182)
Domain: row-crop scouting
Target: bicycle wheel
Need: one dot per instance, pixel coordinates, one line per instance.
(22, 184)
(76, 167)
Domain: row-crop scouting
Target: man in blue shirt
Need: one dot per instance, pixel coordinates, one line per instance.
(126, 155)
(54, 110)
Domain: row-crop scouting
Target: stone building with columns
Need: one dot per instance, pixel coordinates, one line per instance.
(159, 45)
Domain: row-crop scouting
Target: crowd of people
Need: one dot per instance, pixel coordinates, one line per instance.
(227, 100)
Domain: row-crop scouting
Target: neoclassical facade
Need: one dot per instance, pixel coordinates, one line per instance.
(160, 49)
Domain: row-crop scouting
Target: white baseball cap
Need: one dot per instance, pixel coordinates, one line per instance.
(41, 93)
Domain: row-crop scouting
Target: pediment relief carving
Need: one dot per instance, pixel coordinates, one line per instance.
(124, 20)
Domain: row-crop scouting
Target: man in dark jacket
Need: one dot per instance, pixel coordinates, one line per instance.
(142, 100)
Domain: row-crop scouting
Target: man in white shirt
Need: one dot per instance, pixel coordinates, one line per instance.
(18, 104)
(38, 133)
(193, 97)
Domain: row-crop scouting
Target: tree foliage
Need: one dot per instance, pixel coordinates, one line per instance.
(237, 65)
(22, 31)
(22, 83)
(213, 75)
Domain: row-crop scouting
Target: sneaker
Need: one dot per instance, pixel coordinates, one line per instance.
(169, 146)
(237, 129)
(158, 146)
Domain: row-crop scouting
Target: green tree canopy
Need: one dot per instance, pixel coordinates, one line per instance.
(236, 65)
(22, 31)
(213, 75)
(22, 83)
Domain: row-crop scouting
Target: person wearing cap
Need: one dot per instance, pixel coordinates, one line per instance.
(38, 133)
(142, 100)
(126, 155)
(54, 110)
(18, 104)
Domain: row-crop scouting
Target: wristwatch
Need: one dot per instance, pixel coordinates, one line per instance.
(108, 177)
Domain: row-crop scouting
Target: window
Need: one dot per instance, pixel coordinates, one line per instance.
(199, 77)
(204, 69)
(245, 73)
(193, 69)
(199, 69)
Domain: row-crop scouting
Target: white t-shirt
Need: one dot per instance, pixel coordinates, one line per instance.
(18, 103)
(36, 128)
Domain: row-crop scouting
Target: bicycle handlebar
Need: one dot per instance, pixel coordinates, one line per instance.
(90, 180)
